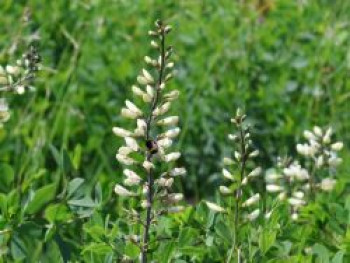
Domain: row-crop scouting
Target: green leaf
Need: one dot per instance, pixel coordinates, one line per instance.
(85, 202)
(166, 250)
(57, 213)
(98, 248)
(338, 257)
(266, 240)
(7, 177)
(321, 252)
(187, 236)
(41, 197)
(74, 185)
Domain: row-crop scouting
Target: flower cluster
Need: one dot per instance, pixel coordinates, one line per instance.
(289, 181)
(245, 199)
(147, 146)
(298, 184)
(18, 78)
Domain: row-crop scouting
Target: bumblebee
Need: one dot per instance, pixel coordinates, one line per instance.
(152, 146)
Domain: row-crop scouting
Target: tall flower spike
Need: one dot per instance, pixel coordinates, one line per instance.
(246, 202)
(151, 140)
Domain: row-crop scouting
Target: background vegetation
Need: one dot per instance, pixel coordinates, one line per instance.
(286, 62)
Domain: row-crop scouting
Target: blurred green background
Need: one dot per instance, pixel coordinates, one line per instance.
(287, 63)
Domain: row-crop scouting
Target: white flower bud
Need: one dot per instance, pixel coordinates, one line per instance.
(165, 143)
(137, 91)
(232, 137)
(161, 109)
(172, 133)
(124, 150)
(252, 200)
(298, 194)
(327, 137)
(295, 216)
(296, 202)
(120, 190)
(245, 180)
(319, 161)
(172, 120)
(272, 176)
(253, 215)
(214, 207)
(148, 60)
(131, 143)
(227, 174)
(337, 146)
(237, 156)
(127, 113)
(273, 188)
(254, 154)
(282, 196)
(225, 190)
(13, 70)
(131, 106)
(123, 159)
(173, 95)
(309, 135)
(257, 171)
(328, 184)
(318, 131)
(177, 172)
(148, 76)
(228, 161)
(172, 157)
(145, 204)
(147, 165)
(268, 215)
(121, 132)
(334, 161)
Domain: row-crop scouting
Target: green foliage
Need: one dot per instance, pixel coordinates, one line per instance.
(288, 66)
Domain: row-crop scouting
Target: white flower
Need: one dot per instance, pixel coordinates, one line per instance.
(145, 204)
(125, 159)
(120, 190)
(20, 89)
(173, 95)
(245, 180)
(272, 176)
(253, 215)
(295, 171)
(132, 177)
(254, 154)
(334, 161)
(228, 161)
(337, 146)
(131, 143)
(148, 165)
(214, 207)
(171, 120)
(161, 109)
(268, 214)
(295, 216)
(148, 76)
(232, 137)
(137, 91)
(306, 149)
(150, 91)
(298, 194)
(282, 196)
(165, 143)
(121, 132)
(172, 157)
(237, 156)
(273, 188)
(141, 127)
(124, 150)
(127, 113)
(252, 200)
(132, 107)
(318, 131)
(327, 137)
(320, 161)
(172, 133)
(327, 184)
(225, 190)
(296, 202)
(178, 172)
(12, 70)
(257, 171)
(309, 135)
(227, 174)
